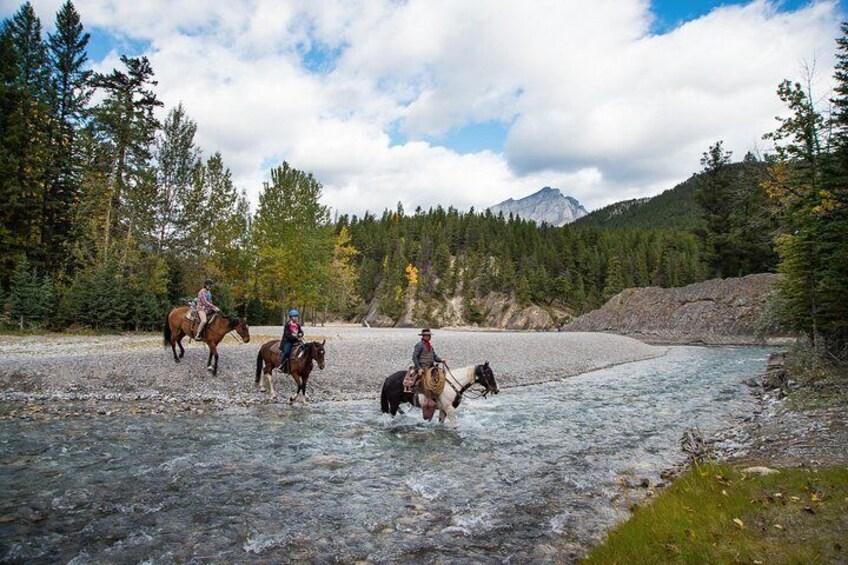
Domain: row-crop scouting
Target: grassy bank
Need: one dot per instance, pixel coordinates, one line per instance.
(718, 514)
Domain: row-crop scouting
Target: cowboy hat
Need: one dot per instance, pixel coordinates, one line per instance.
(426, 331)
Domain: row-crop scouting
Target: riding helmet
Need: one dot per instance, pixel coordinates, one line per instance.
(293, 313)
(208, 282)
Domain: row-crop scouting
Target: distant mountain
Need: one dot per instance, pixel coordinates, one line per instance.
(548, 205)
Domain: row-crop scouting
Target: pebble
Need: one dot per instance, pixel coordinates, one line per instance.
(98, 374)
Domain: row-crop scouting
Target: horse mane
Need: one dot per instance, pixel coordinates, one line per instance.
(232, 322)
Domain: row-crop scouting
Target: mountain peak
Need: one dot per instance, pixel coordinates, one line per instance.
(547, 205)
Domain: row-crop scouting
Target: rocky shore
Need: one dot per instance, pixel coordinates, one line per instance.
(56, 376)
(784, 431)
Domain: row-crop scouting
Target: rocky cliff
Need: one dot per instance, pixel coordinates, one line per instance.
(496, 310)
(718, 311)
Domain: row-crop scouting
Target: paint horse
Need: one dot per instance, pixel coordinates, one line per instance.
(301, 362)
(177, 326)
(456, 384)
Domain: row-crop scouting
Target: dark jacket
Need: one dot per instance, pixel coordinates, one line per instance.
(419, 349)
(292, 337)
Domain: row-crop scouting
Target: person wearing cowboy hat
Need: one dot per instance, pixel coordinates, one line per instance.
(423, 357)
(205, 306)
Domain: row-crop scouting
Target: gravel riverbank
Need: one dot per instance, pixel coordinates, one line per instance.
(54, 376)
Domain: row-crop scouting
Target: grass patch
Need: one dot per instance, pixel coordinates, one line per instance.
(716, 514)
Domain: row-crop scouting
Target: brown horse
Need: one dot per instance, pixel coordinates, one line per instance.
(300, 362)
(177, 327)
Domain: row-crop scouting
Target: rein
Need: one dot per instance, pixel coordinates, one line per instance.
(460, 391)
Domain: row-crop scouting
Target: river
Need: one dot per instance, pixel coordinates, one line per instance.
(533, 474)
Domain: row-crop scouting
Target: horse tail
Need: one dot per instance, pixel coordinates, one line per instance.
(166, 333)
(384, 398)
(259, 362)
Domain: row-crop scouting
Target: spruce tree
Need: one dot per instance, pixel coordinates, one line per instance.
(177, 160)
(24, 139)
(30, 299)
(124, 122)
(70, 93)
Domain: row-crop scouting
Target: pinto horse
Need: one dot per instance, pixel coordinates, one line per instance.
(300, 363)
(177, 326)
(448, 401)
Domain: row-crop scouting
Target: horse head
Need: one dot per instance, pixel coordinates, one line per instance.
(316, 350)
(242, 329)
(483, 375)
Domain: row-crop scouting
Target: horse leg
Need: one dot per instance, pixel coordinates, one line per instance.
(296, 378)
(268, 378)
(215, 370)
(180, 336)
(174, 340)
(209, 361)
(303, 388)
(450, 412)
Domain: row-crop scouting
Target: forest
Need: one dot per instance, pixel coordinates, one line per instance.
(110, 216)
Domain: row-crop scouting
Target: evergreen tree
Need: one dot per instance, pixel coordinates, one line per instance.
(125, 123)
(24, 140)
(70, 93)
(30, 299)
(177, 160)
(811, 200)
(715, 199)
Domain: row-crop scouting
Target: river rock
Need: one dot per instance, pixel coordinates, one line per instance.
(762, 471)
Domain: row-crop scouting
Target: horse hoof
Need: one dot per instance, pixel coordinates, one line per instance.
(262, 389)
(177, 361)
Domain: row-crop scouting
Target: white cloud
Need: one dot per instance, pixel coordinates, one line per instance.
(596, 105)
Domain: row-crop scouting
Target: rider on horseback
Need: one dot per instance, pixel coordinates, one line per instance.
(292, 334)
(205, 306)
(423, 357)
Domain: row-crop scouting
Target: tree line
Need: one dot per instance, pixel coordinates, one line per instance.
(109, 217)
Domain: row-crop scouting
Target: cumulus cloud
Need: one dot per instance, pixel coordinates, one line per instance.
(594, 102)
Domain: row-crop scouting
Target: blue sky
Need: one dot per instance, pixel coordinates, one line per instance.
(672, 13)
(468, 103)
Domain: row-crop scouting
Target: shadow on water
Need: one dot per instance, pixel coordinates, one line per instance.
(527, 473)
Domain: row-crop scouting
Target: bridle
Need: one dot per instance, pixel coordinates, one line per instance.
(454, 382)
(235, 329)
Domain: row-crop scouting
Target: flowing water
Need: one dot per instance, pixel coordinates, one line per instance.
(527, 475)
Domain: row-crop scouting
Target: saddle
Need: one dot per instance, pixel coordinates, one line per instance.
(193, 316)
(431, 383)
(296, 353)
